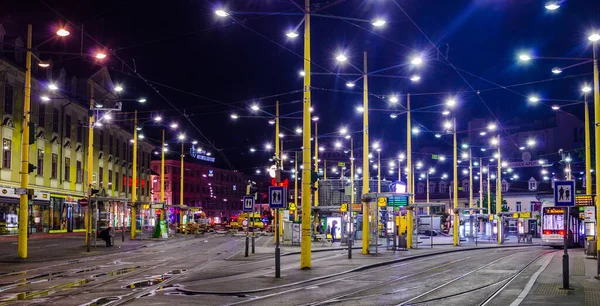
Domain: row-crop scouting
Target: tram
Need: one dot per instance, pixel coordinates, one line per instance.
(553, 226)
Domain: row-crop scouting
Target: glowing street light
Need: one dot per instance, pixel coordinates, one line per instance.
(417, 61)
(552, 5)
(530, 142)
(254, 107)
(446, 112)
(338, 144)
(52, 86)
(416, 130)
(302, 73)
(494, 141)
(100, 55)
(594, 37)
(534, 99)
(415, 78)
(291, 34)
(298, 131)
(252, 150)
(62, 32)
(393, 99)
(555, 107)
(221, 13)
(341, 58)
(450, 102)
(268, 146)
(447, 125)
(142, 100)
(343, 131)
(45, 98)
(181, 137)
(360, 109)
(350, 84)
(315, 118)
(44, 64)
(174, 125)
(524, 57)
(586, 88)
(118, 88)
(491, 127)
(378, 22)
(556, 70)
(158, 118)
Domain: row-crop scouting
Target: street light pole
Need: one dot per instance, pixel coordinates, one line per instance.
(317, 166)
(409, 175)
(597, 132)
(378, 170)
(351, 217)
(23, 201)
(470, 178)
(305, 252)
(455, 187)
(489, 195)
(499, 194)
(90, 165)
(365, 187)
(181, 182)
(588, 148)
(162, 176)
(134, 179)
(296, 186)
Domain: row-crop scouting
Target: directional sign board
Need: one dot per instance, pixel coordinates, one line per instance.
(564, 193)
(276, 196)
(248, 203)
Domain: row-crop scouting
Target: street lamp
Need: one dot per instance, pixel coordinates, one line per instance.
(415, 78)
(62, 32)
(378, 22)
(221, 13)
(100, 55)
(341, 58)
(524, 57)
(52, 86)
(393, 99)
(291, 34)
(534, 99)
(416, 61)
(254, 107)
(350, 84)
(118, 88)
(556, 70)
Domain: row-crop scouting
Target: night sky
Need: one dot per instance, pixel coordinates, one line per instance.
(210, 67)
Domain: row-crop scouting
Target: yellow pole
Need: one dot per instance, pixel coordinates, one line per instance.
(324, 170)
(23, 201)
(588, 148)
(470, 178)
(480, 183)
(365, 186)
(317, 165)
(489, 195)
(499, 194)
(378, 171)
(597, 132)
(305, 251)
(90, 166)
(455, 187)
(181, 174)
(134, 180)
(296, 186)
(352, 170)
(162, 176)
(409, 174)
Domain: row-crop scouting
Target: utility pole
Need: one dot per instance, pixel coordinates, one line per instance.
(365, 187)
(134, 179)
(24, 199)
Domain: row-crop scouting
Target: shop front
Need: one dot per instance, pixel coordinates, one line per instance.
(39, 212)
(65, 214)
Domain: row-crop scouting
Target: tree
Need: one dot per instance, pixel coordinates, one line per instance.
(505, 207)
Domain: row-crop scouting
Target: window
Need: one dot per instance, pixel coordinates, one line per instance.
(431, 187)
(443, 187)
(55, 119)
(68, 126)
(54, 171)
(6, 155)
(100, 176)
(532, 185)
(465, 187)
(124, 182)
(79, 131)
(117, 181)
(79, 173)
(420, 188)
(67, 169)
(9, 92)
(518, 206)
(42, 115)
(504, 186)
(40, 162)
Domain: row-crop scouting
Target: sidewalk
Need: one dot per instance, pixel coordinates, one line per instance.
(324, 265)
(585, 289)
(48, 247)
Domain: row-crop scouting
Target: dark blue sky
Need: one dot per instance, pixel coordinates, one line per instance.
(208, 62)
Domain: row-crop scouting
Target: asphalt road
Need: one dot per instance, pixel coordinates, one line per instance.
(156, 275)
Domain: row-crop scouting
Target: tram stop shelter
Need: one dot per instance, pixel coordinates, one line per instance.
(383, 210)
(108, 212)
(427, 224)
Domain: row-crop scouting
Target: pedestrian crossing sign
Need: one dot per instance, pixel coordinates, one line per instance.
(564, 193)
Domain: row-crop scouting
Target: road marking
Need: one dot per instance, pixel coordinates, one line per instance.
(532, 280)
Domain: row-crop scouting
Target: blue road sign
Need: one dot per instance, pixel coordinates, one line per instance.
(276, 197)
(564, 193)
(248, 203)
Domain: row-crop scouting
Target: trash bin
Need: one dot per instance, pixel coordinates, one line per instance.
(402, 242)
(591, 249)
(529, 239)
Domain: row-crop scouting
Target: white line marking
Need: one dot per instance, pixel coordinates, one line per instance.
(532, 280)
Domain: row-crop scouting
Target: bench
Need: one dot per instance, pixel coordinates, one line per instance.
(324, 239)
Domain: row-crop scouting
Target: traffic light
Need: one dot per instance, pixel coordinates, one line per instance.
(31, 168)
(31, 135)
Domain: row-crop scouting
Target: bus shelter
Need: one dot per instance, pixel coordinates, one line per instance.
(176, 217)
(109, 212)
(383, 210)
(426, 226)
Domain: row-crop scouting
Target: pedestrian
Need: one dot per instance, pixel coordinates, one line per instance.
(106, 236)
(334, 229)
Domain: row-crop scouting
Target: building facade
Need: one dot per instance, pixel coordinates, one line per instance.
(217, 192)
(60, 148)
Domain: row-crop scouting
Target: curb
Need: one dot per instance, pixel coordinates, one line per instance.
(357, 269)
